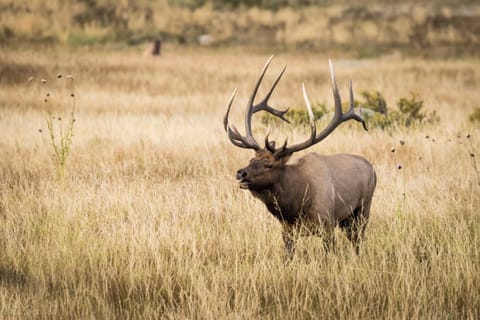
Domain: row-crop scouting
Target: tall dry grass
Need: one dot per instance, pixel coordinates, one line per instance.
(150, 223)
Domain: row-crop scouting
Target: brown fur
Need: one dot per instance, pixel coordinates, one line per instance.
(316, 193)
(313, 194)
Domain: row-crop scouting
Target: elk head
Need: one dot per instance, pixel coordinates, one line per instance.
(267, 165)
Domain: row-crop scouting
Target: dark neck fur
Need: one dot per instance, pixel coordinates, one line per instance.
(288, 198)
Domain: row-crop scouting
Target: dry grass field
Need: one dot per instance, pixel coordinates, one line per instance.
(149, 222)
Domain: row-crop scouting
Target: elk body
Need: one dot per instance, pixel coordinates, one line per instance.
(315, 193)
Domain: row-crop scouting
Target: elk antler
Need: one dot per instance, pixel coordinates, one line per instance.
(248, 141)
(337, 119)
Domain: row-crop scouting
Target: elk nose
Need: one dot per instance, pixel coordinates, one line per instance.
(241, 174)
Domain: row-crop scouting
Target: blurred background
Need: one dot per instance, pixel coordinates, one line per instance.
(363, 28)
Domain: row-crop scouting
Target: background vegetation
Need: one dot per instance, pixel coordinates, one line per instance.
(145, 220)
(367, 28)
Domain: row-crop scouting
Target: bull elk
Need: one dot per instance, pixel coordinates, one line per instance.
(315, 193)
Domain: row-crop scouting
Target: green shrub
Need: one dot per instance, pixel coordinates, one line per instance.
(297, 116)
(378, 120)
(373, 108)
(373, 101)
(475, 115)
(409, 112)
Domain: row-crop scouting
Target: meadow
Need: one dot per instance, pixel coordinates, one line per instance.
(148, 220)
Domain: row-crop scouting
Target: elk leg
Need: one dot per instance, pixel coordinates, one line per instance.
(361, 216)
(289, 241)
(354, 227)
(329, 240)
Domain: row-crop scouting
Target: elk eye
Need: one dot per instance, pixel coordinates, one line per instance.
(268, 166)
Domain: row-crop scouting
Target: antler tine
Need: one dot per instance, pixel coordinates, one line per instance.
(225, 118)
(233, 134)
(310, 113)
(352, 111)
(337, 119)
(263, 105)
(350, 114)
(250, 106)
(269, 145)
(237, 139)
(339, 115)
(248, 141)
(336, 94)
(313, 129)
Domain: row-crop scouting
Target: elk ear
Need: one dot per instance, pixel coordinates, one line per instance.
(282, 157)
(283, 153)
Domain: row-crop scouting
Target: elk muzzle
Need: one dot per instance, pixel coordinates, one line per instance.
(242, 177)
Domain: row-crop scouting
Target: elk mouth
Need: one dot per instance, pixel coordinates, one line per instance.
(244, 183)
